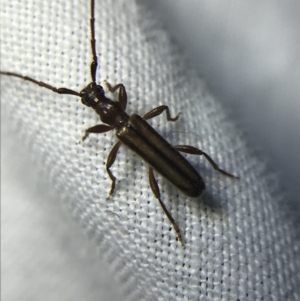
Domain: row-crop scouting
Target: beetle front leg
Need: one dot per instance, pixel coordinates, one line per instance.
(157, 111)
(110, 161)
(97, 129)
(155, 190)
(195, 151)
(122, 93)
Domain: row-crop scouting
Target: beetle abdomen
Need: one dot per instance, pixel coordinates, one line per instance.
(140, 137)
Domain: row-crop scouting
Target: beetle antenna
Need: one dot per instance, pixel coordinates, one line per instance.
(94, 63)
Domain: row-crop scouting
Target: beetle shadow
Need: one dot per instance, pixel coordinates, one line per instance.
(213, 202)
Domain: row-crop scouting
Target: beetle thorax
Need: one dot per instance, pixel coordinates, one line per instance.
(111, 113)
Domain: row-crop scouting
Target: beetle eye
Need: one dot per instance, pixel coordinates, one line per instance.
(99, 89)
(86, 100)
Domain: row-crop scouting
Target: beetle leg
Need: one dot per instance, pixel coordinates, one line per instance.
(110, 161)
(195, 151)
(157, 111)
(122, 93)
(155, 190)
(97, 129)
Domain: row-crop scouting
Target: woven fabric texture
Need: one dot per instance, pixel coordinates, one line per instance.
(241, 239)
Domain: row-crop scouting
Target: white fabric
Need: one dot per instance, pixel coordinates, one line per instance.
(242, 238)
(249, 54)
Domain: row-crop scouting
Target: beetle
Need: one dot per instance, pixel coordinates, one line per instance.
(134, 132)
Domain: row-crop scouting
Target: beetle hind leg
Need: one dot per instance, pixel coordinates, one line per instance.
(156, 191)
(195, 151)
